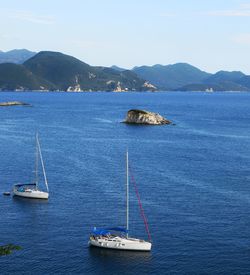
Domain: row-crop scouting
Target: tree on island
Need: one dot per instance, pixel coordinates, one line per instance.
(8, 248)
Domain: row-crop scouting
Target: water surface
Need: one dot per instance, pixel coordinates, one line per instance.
(193, 178)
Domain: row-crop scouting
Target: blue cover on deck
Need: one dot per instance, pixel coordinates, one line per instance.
(120, 229)
(104, 231)
(25, 184)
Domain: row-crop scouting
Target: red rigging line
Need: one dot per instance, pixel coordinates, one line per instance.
(140, 204)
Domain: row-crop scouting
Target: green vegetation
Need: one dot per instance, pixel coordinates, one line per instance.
(171, 77)
(14, 76)
(15, 56)
(184, 77)
(56, 71)
(8, 249)
(245, 81)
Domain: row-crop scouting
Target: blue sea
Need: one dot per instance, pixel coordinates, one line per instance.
(193, 179)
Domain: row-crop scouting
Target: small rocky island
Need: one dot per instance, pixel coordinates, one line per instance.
(144, 117)
(13, 103)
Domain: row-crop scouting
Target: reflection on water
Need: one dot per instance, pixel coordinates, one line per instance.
(106, 261)
(26, 201)
(118, 255)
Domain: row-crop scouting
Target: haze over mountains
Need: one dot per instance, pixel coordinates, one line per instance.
(185, 77)
(16, 56)
(25, 70)
(56, 71)
(171, 77)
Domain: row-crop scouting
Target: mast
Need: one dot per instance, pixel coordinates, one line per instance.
(36, 163)
(127, 194)
(41, 158)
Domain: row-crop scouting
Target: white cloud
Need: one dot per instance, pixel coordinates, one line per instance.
(10, 36)
(31, 17)
(245, 6)
(243, 38)
(242, 11)
(232, 13)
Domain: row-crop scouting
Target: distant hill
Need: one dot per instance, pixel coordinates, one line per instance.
(225, 81)
(171, 77)
(61, 70)
(56, 71)
(14, 76)
(15, 56)
(220, 81)
(119, 69)
(244, 81)
(185, 77)
(223, 76)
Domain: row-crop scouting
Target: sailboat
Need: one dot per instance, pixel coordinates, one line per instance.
(31, 190)
(118, 237)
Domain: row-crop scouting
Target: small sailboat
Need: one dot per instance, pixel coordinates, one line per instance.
(118, 237)
(31, 190)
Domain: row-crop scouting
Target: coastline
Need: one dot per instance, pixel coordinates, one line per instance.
(116, 92)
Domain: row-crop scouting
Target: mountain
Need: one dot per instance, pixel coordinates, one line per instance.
(14, 76)
(69, 73)
(224, 76)
(220, 81)
(245, 81)
(225, 81)
(59, 69)
(171, 77)
(119, 69)
(56, 71)
(185, 77)
(15, 56)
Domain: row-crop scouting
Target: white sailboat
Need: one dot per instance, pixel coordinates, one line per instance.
(31, 190)
(117, 237)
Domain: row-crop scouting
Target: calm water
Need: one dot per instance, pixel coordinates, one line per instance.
(193, 178)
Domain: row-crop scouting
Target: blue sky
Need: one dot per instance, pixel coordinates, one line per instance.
(210, 34)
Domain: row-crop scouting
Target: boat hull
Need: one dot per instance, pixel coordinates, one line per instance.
(34, 194)
(123, 244)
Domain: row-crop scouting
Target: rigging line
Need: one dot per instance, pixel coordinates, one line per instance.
(140, 204)
(41, 158)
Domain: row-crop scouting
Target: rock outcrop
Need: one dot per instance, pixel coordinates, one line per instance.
(13, 103)
(145, 117)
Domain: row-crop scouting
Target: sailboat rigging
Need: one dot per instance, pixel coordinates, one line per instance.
(31, 190)
(118, 237)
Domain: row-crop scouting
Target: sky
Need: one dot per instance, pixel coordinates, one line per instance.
(212, 35)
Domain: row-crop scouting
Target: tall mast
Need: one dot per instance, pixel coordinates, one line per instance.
(41, 158)
(36, 163)
(127, 193)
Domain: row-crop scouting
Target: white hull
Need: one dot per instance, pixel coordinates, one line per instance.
(32, 194)
(30, 190)
(120, 243)
(108, 239)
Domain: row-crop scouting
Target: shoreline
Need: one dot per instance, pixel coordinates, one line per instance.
(122, 92)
